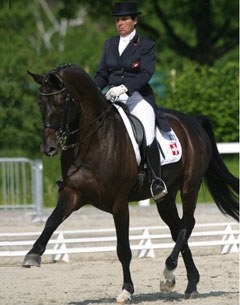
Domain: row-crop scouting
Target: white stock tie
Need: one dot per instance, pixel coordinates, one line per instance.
(124, 41)
(122, 45)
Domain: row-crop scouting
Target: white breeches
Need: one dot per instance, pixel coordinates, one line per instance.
(143, 111)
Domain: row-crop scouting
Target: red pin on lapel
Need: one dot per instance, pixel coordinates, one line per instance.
(136, 65)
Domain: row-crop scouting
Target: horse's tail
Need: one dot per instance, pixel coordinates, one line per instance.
(223, 186)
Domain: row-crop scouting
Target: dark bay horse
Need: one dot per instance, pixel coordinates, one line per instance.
(99, 167)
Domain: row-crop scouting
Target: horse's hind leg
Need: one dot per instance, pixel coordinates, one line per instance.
(169, 214)
(189, 200)
(192, 273)
(180, 230)
(121, 220)
(68, 201)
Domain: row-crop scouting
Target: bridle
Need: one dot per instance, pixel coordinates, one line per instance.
(64, 129)
(52, 93)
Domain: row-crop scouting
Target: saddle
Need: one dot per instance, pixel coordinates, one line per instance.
(140, 137)
(138, 130)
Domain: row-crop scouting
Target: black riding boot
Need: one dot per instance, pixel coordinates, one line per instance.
(158, 188)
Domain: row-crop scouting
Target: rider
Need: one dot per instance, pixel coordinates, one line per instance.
(127, 64)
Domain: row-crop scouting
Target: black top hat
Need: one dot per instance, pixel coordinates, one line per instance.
(125, 9)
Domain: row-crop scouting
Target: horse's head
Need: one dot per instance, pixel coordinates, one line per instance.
(58, 110)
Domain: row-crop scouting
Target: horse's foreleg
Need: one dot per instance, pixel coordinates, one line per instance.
(68, 201)
(121, 220)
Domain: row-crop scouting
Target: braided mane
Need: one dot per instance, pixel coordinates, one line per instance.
(65, 66)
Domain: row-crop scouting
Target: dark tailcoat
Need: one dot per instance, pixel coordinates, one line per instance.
(134, 69)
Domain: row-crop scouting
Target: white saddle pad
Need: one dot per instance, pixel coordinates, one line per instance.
(170, 145)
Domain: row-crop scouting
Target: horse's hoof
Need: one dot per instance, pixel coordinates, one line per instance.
(167, 286)
(124, 297)
(169, 283)
(32, 260)
(192, 295)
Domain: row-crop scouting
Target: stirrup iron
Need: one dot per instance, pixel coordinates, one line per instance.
(162, 193)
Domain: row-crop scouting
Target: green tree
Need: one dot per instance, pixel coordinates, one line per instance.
(211, 91)
(202, 31)
(26, 29)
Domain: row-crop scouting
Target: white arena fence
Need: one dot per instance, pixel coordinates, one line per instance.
(144, 240)
(21, 184)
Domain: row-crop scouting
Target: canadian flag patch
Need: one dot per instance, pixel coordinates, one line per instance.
(174, 149)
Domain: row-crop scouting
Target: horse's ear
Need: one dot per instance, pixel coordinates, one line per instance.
(38, 78)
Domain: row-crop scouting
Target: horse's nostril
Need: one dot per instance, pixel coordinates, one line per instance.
(52, 149)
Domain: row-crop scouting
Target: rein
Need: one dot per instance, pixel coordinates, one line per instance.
(65, 134)
(64, 131)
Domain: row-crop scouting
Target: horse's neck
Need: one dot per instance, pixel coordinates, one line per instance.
(89, 97)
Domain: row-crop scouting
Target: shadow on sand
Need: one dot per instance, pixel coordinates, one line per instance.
(152, 297)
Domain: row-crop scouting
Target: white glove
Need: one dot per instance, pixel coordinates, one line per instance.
(115, 92)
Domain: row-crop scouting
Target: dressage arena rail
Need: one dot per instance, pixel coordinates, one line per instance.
(143, 239)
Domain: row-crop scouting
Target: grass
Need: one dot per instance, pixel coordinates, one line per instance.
(51, 173)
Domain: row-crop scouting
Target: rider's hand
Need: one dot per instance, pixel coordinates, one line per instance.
(115, 92)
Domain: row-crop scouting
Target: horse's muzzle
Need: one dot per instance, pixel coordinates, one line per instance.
(50, 150)
(50, 146)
